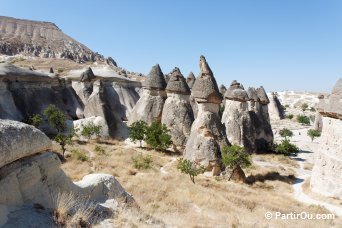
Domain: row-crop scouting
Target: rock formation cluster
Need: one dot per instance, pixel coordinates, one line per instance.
(207, 135)
(327, 170)
(149, 107)
(177, 112)
(31, 175)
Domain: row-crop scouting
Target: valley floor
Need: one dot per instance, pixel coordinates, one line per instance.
(167, 198)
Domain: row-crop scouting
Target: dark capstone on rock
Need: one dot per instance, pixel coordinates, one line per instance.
(87, 75)
(155, 79)
(177, 83)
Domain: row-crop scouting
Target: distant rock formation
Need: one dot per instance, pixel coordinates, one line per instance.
(237, 119)
(177, 112)
(207, 135)
(318, 123)
(31, 175)
(191, 80)
(223, 90)
(327, 171)
(41, 39)
(150, 105)
(275, 108)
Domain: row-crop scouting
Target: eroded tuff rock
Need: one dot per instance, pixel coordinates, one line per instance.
(207, 135)
(223, 90)
(177, 112)
(152, 98)
(327, 170)
(35, 177)
(97, 120)
(25, 92)
(275, 108)
(237, 119)
(191, 80)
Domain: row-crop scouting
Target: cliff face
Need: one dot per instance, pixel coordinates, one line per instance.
(327, 171)
(41, 39)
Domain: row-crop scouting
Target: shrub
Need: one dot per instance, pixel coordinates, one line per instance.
(235, 157)
(283, 107)
(60, 70)
(190, 168)
(312, 109)
(137, 131)
(285, 133)
(158, 137)
(303, 119)
(304, 106)
(99, 150)
(79, 155)
(56, 118)
(63, 140)
(286, 148)
(35, 120)
(142, 162)
(90, 129)
(313, 133)
(289, 116)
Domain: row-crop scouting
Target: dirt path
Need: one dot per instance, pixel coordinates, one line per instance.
(162, 169)
(306, 155)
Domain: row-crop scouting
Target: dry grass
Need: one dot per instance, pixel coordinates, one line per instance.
(212, 202)
(308, 166)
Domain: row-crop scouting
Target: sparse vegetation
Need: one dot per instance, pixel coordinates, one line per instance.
(142, 162)
(190, 168)
(235, 157)
(158, 137)
(289, 116)
(35, 120)
(18, 59)
(60, 70)
(286, 148)
(137, 131)
(286, 133)
(79, 155)
(313, 133)
(72, 211)
(304, 107)
(90, 130)
(99, 150)
(312, 109)
(303, 119)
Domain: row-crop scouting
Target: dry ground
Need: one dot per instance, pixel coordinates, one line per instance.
(173, 200)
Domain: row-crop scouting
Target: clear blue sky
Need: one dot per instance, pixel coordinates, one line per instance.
(281, 44)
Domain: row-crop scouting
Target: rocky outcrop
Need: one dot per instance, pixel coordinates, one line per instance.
(318, 123)
(31, 175)
(177, 112)
(261, 119)
(207, 135)
(24, 93)
(152, 98)
(223, 90)
(41, 39)
(236, 117)
(191, 80)
(275, 108)
(327, 170)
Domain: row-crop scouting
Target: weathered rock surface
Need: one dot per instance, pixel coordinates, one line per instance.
(20, 140)
(207, 135)
(152, 98)
(177, 112)
(327, 170)
(275, 108)
(33, 176)
(237, 119)
(191, 80)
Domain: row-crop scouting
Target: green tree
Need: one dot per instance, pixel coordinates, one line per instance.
(158, 137)
(304, 106)
(286, 133)
(63, 140)
(286, 148)
(137, 131)
(56, 118)
(90, 129)
(289, 116)
(35, 120)
(235, 157)
(190, 168)
(303, 119)
(313, 133)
